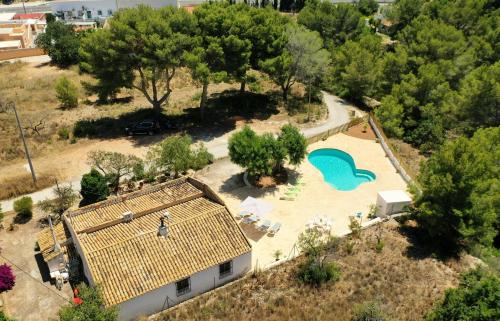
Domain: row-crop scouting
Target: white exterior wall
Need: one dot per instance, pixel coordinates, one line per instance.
(206, 280)
(103, 5)
(388, 208)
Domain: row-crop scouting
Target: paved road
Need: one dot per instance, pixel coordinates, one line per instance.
(38, 6)
(338, 115)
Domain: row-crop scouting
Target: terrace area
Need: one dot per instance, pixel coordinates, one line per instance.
(315, 198)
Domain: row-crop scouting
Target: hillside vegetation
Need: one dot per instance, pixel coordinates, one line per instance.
(403, 279)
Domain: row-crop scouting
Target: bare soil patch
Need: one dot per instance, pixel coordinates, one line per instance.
(362, 130)
(404, 284)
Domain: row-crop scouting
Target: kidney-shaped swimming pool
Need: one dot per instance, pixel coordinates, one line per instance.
(338, 169)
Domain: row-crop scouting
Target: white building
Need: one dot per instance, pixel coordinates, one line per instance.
(392, 202)
(102, 9)
(151, 249)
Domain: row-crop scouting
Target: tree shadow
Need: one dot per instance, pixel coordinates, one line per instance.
(231, 183)
(223, 111)
(422, 247)
(241, 191)
(251, 231)
(43, 268)
(22, 218)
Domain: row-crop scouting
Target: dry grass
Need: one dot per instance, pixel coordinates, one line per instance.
(405, 282)
(408, 155)
(23, 184)
(31, 86)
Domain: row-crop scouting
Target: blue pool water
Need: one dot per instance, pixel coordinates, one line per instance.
(338, 169)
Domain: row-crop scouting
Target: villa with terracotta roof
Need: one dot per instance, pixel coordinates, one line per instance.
(151, 249)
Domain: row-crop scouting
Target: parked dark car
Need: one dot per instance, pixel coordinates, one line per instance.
(145, 127)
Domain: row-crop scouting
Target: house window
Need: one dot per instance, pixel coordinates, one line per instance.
(89, 14)
(225, 269)
(110, 12)
(183, 286)
(99, 13)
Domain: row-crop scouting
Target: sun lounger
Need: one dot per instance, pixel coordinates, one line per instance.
(287, 198)
(244, 214)
(265, 225)
(250, 219)
(293, 187)
(275, 228)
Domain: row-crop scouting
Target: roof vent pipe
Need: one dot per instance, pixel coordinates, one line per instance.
(162, 228)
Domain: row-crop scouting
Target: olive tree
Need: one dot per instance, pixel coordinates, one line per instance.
(113, 165)
(176, 155)
(64, 198)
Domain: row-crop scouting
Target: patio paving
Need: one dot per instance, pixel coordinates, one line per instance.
(33, 297)
(316, 198)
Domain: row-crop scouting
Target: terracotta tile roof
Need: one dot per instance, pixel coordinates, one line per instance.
(46, 241)
(109, 211)
(25, 16)
(128, 259)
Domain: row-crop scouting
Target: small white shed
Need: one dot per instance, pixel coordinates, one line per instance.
(392, 202)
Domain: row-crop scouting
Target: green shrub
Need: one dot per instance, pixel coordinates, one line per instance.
(91, 308)
(176, 155)
(94, 187)
(67, 93)
(294, 142)
(368, 311)
(349, 246)
(85, 128)
(3, 317)
(264, 154)
(72, 140)
(24, 206)
(317, 273)
(138, 171)
(379, 246)
(476, 298)
(63, 133)
(367, 7)
(355, 227)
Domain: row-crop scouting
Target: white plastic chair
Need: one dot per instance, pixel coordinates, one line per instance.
(275, 228)
(265, 225)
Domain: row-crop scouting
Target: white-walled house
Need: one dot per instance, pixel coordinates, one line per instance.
(102, 9)
(154, 248)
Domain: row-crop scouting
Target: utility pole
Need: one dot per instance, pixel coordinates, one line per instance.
(24, 8)
(13, 104)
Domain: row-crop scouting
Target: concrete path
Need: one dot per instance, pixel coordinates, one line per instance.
(34, 59)
(338, 115)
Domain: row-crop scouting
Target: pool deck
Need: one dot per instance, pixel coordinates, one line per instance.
(316, 197)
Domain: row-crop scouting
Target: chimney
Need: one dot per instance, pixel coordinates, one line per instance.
(127, 216)
(162, 228)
